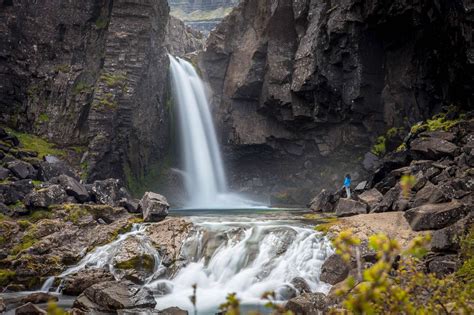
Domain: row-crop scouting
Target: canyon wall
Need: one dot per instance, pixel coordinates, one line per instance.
(303, 88)
(90, 74)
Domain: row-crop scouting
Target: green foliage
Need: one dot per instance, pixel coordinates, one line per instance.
(406, 183)
(28, 240)
(39, 215)
(379, 147)
(43, 118)
(81, 87)
(405, 290)
(65, 68)
(6, 275)
(75, 212)
(37, 144)
(326, 224)
(106, 102)
(54, 309)
(437, 122)
(113, 80)
(402, 147)
(231, 306)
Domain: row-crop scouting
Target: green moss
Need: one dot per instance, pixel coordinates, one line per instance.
(65, 68)
(81, 87)
(325, 226)
(101, 23)
(39, 215)
(43, 118)
(113, 80)
(379, 147)
(37, 144)
(16, 205)
(199, 15)
(28, 240)
(6, 276)
(75, 212)
(401, 148)
(24, 224)
(79, 149)
(436, 123)
(144, 262)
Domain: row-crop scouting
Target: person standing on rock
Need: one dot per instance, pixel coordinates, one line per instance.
(347, 185)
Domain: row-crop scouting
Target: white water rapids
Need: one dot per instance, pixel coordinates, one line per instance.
(203, 173)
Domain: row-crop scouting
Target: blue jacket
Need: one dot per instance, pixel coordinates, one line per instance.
(347, 182)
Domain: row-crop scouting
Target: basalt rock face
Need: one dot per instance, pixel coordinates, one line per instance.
(302, 88)
(91, 74)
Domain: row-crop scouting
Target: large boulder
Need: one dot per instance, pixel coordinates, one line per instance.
(443, 265)
(38, 298)
(112, 296)
(429, 194)
(53, 167)
(300, 285)
(334, 270)
(322, 202)
(448, 238)
(371, 197)
(77, 283)
(4, 173)
(308, 303)
(29, 309)
(389, 200)
(108, 192)
(72, 187)
(432, 148)
(435, 216)
(154, 207)
(22, 170)
(45, 197)
(347, 207)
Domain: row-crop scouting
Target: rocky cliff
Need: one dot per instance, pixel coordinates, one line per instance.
(303, 88)
(90, 75)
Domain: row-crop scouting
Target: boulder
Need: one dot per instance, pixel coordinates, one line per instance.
(29, 309)
(133, 261)
(3, 307)
(111, 296)
(432, 148)
(166, 311)
(348, 207)
(308, 303)
(53, 167)
(108, 192)
(72, 187)
(4, 173)
(38, 298)
(448, 136)
(22, 169)
(448, 238)
(77, 283)
(371, 197)
(322, 202)
(300, 285)
(429, 194)
(285, 292)
(45, 197)
(444, 265)
(389, 199)
(435, 216)
(8, 195)
(360, 186)
(154, 207)
(129, 204)
(334, 270)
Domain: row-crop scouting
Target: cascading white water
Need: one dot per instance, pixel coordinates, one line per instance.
(246, 258)
(205, 177)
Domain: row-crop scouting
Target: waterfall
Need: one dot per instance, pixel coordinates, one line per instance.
(205, 178)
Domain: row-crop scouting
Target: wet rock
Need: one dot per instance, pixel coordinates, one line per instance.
(77, 283)
(112, 296)
(164, 287)
(166, 311)
(22, 170)
(72, 187)
(45, 197)
(322, 202)
(348, 207)
(371, 197)
(429, 194)
(154, 207)
(435, 216)
(308, 303)
(29, 309)
(334, 270)
(300, 285)
(444, 265)
(432, 148)
(38, 298)
(108, 192)
(133, 261)
(3, 307)
(285, 292)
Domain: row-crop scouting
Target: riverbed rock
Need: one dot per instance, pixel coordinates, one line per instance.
(371, 197)
(111, 296)
(347, 207)
(308, 303)
(435, 216)
(22, 170)
(39, 298)
(166, 311)
(322, 202)
(45, 197)
(77, 283)
(300, 285)
(108, 192)
(72, 187)
(134, 261)
(29, 309)
(334, 270)
(154, 207)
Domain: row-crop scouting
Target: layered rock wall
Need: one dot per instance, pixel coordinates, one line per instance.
(302, 88)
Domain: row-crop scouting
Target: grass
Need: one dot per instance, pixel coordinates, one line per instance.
(6, 275)
(326, 225)
(113, 80)
(37, 144)
(43, 118)
(379, 147)
(81, 87)
(437, 122)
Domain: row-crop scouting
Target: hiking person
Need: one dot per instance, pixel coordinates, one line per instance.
(347, 185)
